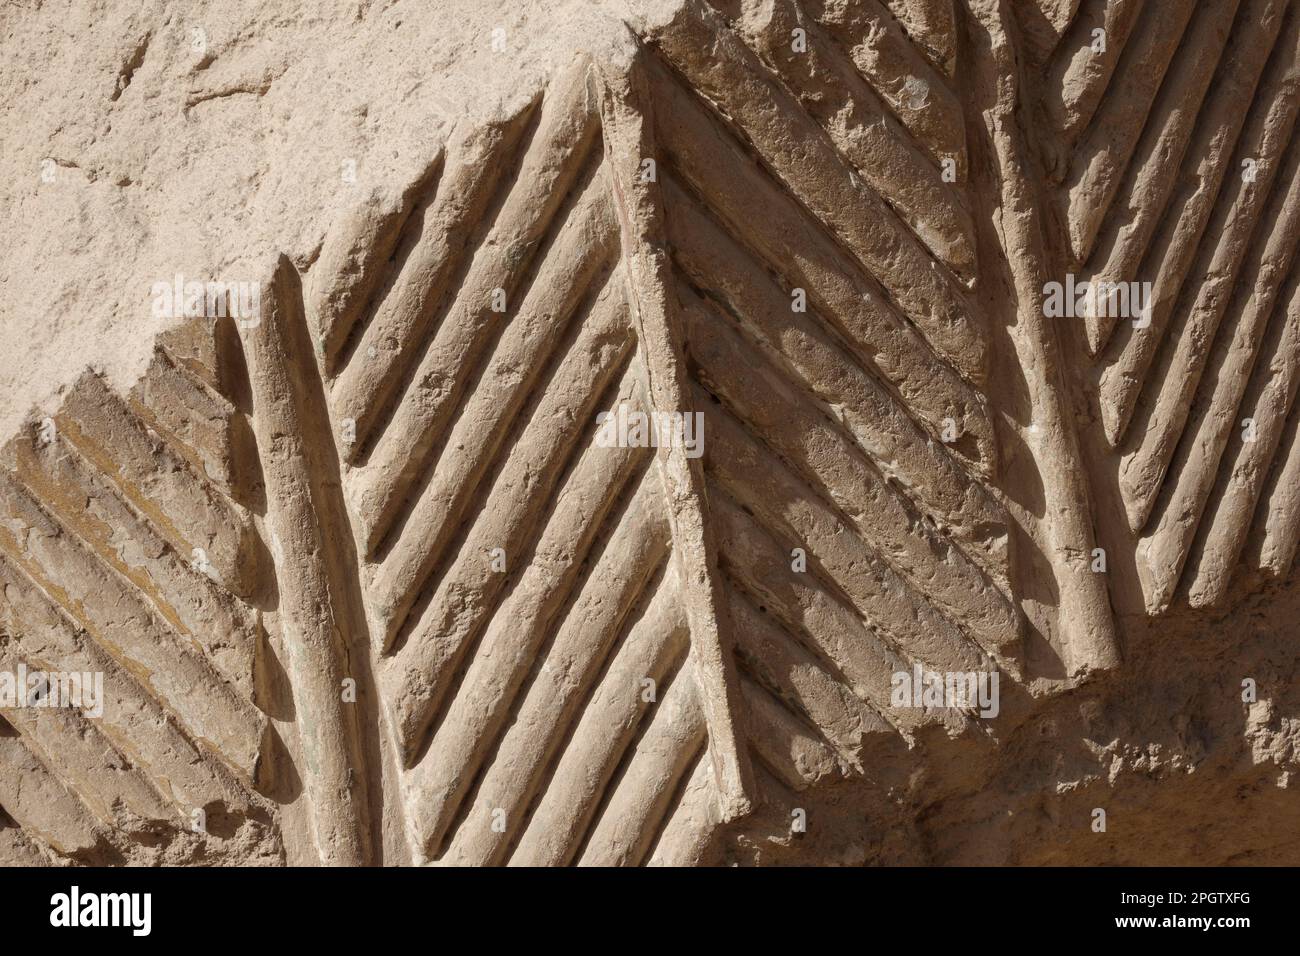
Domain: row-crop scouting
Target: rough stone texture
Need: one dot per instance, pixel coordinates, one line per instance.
(366, 586)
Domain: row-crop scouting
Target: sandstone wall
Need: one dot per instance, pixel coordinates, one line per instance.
(608, 410)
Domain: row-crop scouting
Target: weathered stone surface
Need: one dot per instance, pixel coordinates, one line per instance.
(607, 408)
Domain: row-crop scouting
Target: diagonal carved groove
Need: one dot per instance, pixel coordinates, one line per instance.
(516, 632)
(932, 26)
(901, 455)
(129, 629)
(195, 607)
(879, 510)
(712, 259)
(354, 256)
(731, 76)
(545, 178)
(1161, 233)
(386, 348)
(779, 502)
(799, 679)
(604, 733)
(827, 86)
(1105, 150)
(184, 507)
(1245, 311)
(38, 800)
(481, 427)
(629, 561)
(1223, 246)
(866, 661)
(419, 673)
(1267, 407)
(133, 720)
(835, 285)
(100, 775)
(916, 93)
(1080, 75)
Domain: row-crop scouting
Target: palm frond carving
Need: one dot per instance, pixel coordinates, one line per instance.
(367, 583)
